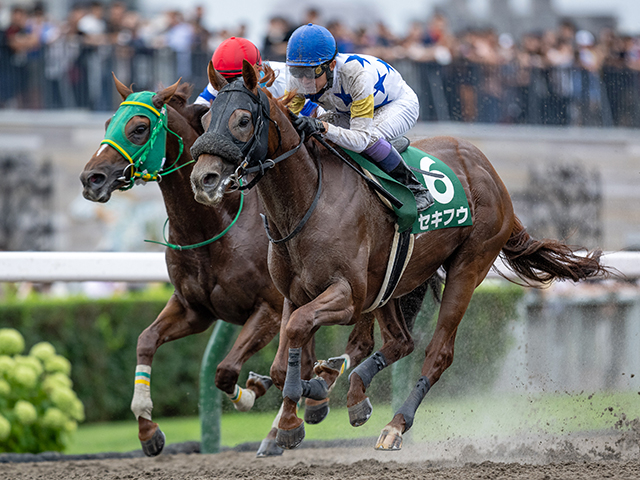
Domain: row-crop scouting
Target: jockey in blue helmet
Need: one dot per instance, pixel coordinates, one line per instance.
(367, 99)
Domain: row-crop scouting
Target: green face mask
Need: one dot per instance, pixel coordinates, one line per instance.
(148, 159)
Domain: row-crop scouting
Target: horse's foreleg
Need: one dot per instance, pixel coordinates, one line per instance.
(360, 344)
(260, 328)
(333, 306)
(397, 343)
(439, 353)
(175, 321)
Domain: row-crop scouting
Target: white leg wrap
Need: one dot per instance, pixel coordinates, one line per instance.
(277, 419)
(141, 405)
(347, 362)
(242, 398)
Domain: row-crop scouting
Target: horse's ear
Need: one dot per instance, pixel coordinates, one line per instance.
(206, 120)
(163, 96)
(250, 75)
(122, 89)
(216, 80)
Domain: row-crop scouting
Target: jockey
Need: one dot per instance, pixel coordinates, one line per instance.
(227, 59)
(368, 100)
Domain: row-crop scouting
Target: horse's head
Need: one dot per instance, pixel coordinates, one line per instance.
(237, 134)
(134, 144)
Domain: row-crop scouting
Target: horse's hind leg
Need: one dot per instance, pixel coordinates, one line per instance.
(459, 287)
(175, 321)
(397, 343)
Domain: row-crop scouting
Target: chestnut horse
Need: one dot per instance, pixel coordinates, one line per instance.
(331, 238)
(226, 279)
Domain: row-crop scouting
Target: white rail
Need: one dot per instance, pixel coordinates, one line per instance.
(151, 267)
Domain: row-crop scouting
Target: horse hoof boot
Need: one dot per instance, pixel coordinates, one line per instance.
(360, 413)
(269, 448)
(290, 439)
(264, 380)
(315, 413)
(390, 439)
(154, 445)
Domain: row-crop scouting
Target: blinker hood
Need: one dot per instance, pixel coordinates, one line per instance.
(147, 159)
(218, 139)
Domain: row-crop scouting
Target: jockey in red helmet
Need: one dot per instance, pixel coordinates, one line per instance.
(227, 59)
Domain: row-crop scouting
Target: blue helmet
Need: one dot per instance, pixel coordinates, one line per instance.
(310, 45)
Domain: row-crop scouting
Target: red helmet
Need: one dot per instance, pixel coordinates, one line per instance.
(228, 57)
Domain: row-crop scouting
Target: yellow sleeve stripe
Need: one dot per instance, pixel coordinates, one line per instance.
(296, 104)
(363, 108)
(144, 382)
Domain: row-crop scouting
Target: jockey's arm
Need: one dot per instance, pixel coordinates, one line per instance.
(359, 86)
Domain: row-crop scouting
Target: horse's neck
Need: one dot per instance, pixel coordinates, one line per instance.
(288, 190)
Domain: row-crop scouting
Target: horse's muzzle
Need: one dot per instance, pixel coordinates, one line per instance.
(208, 181)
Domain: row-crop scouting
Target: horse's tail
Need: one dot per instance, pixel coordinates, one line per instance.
(546, 260)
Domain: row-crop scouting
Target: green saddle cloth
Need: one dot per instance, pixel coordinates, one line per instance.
(450, 209)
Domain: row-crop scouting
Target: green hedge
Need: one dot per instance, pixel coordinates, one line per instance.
(99, 338)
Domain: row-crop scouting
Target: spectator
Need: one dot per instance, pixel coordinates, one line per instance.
(179, 37)
(20, 40)
(274, 45)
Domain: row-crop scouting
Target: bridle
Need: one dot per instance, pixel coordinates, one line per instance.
(251, 154)
(146, 161)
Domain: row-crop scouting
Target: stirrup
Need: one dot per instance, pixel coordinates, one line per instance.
(423, 197)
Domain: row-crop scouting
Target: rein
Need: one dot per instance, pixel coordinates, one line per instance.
(201, 244)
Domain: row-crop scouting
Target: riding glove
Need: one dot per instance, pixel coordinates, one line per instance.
(309, 125)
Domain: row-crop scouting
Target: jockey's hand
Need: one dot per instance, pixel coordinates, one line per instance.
(309, 125)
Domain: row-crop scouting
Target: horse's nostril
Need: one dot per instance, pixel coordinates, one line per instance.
(96, 179)
(210, 179)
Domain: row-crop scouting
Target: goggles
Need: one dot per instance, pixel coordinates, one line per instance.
(309, 72)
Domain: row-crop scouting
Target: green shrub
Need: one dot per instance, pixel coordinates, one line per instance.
(38, 408)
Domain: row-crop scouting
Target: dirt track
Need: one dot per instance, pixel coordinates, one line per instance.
(577, 457)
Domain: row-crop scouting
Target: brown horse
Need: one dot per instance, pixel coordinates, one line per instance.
(226, 279)
(331, 239)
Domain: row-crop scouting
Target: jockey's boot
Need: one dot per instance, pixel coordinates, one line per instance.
(401, 173)
(388, 159)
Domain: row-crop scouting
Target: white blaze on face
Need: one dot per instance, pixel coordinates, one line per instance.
(101, 149)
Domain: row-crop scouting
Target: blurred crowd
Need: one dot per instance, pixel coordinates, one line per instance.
(73, 55)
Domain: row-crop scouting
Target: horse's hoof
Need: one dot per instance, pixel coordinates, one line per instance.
(360, 413)
(290, 439)
(154, 445)
(334, 363)
(390, 439)
(315, 413)
(263, 380)
(269, 448)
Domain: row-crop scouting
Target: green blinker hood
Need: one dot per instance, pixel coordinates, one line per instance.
(147, 159)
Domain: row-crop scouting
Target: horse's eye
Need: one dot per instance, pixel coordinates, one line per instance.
(140, 129)
(244, 122)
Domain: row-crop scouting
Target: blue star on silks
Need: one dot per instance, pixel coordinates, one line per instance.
(345, 97)
(389, 67)
(357, 58)
(384, 102)
(379, 86)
